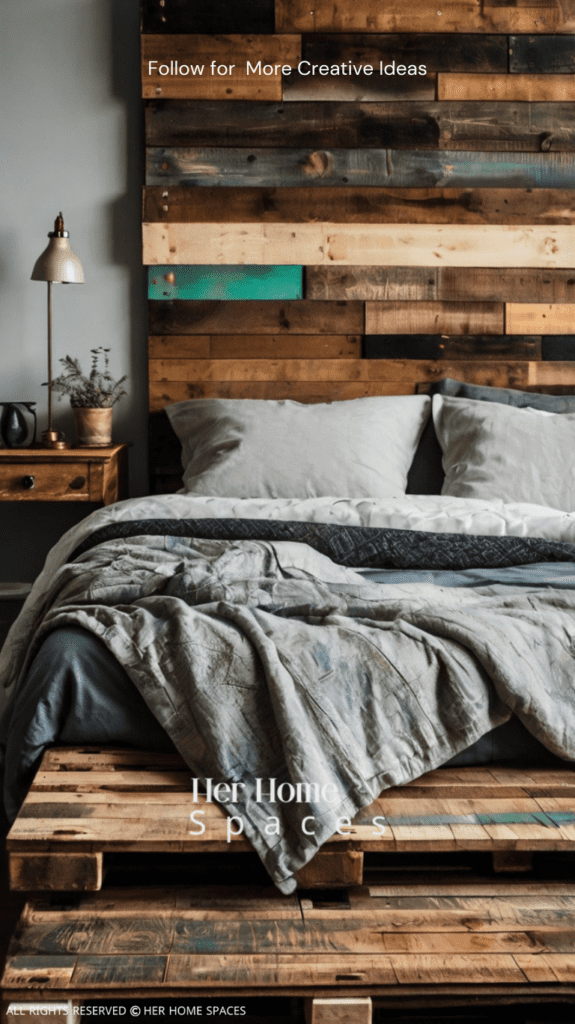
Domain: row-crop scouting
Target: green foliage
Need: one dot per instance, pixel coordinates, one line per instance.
(97, 391)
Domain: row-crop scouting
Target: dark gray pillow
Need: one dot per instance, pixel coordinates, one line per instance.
(426, 474)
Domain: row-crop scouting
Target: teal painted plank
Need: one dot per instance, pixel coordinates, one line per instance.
(225, 282)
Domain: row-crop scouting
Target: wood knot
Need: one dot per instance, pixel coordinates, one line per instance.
(318, 164)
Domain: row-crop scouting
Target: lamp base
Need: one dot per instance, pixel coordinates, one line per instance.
(54, 439)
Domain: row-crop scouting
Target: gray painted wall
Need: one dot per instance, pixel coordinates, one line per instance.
(71, 140)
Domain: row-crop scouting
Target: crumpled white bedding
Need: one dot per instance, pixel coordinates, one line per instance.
(433, 513)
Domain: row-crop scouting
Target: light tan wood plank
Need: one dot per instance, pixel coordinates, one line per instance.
(200, 51)
(450, 969)
(537, 318)
(454, 245)
(434, 318)
(339, 1011)
(513, 88)
(425, 16)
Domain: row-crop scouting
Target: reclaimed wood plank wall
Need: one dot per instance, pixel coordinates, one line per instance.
(395, 227)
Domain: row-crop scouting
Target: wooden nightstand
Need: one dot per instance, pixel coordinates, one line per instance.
(73, 474)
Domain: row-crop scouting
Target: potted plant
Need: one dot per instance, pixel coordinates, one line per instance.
(92, 398)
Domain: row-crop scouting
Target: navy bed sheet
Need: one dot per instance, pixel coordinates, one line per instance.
(77, 693)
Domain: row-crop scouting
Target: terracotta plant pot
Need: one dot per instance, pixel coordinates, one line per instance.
(93, 427)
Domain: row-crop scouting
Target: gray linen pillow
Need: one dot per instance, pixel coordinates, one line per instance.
(244, 448)
(498, 451)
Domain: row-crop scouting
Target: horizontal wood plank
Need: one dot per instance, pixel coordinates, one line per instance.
(208, 16)
(543, 55)
(252, 317)
(439, 284)
(333, 370)
(362, 87)
(245, 346)
(528, 127)
(512, 88)
(452, 16)
(275, 167)
(434, 346)
(522, 318)
(198, 52)
(453, 245)
(439, 52)
(351, 205)
(433, 318)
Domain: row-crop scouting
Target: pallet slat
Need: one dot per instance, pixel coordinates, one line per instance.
(401, 168)
(501, 126)
(541, 319)
(360, 15)
(512, 88)
(186, 317)
(455, 245)
(441, 52)
(436, 346)
(434, 318)
(351, 205)
(450, 284)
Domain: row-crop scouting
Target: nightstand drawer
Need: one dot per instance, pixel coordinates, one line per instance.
(36, 481)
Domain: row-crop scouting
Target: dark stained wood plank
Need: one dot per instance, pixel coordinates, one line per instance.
(359, 205)
(541, 55)
(253, 317)
(560, 347)
(528, 127)
(433, 346)
(113, 971)
(363, 87)
(438, 283)
(511, 88)
(381, 167)
(434, 317)
(208, 16)
(198, 52)
(61, 871)
(439, 52)
(453, 15)
(245, 346)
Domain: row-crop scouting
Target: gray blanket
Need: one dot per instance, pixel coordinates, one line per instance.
(266, 660)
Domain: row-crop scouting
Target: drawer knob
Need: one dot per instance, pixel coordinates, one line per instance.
(28, 482)
(77, 483)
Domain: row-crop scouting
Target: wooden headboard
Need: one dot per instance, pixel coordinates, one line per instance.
(427, 222)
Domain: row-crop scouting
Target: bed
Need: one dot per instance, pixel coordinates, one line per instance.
(337, 645)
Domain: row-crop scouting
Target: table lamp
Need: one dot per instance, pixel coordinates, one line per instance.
(56, 265)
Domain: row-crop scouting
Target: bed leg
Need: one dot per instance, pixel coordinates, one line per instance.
(338, 1011)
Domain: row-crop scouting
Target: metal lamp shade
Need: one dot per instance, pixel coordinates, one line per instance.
(58, 263)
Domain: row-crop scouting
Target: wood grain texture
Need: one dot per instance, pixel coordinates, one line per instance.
(434, 318)
(439, 284)
(466, 348)
(352, 205)
(537, 318)
(245, 346)
(453, 245)
(274, 168)
(514, 88)
(199, 51)
(439, 52)
(253, 318)
(453, 16)
(303, 86)
(541, 55)
(528, 127)
(163, 394)
(208, 16)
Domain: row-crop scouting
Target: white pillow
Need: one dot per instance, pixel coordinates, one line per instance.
(500, 451)
(246, 448)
